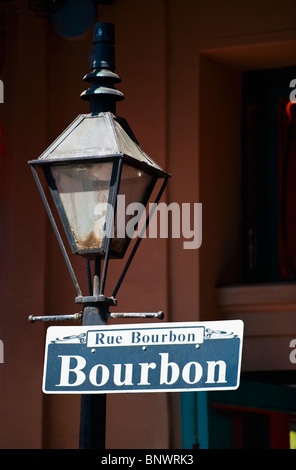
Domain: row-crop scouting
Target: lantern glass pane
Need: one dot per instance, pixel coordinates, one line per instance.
(134, 191)
(84, 193)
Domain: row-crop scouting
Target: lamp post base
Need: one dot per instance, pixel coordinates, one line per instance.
(93, 406)
(93, 422)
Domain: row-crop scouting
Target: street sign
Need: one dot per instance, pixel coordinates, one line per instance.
(173, 357)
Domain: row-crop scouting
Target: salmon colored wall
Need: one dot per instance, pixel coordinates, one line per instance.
(177, 86)
(22, 234)
(220, 167)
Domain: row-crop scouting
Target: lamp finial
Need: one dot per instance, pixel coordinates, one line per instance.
(102, 95)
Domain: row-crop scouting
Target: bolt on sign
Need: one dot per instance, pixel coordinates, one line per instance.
(147, 358)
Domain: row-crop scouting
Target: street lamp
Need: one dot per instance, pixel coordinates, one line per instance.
(96, 160)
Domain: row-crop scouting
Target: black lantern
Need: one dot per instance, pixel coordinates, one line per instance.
(86, 168)
(96, 160)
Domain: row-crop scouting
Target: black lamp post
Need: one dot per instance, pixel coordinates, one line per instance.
(95, 160)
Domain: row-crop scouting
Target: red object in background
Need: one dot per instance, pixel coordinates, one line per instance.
(287, 188)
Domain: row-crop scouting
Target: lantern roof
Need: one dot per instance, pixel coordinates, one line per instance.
(96, 136)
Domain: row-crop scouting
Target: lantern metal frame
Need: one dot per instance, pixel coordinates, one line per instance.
(98, 288)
